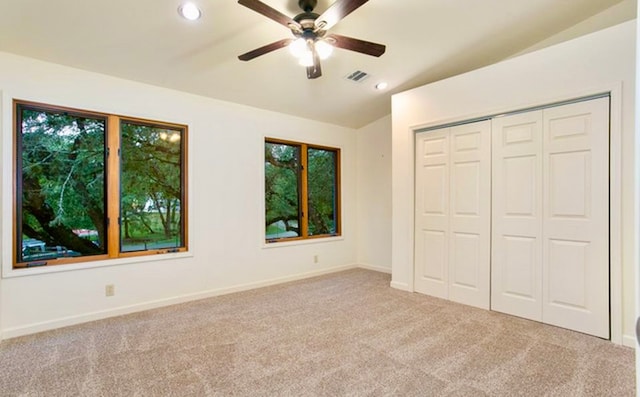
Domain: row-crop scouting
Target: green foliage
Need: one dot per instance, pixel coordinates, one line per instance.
(62, 187)
(282, 193)
(282, 190)
(63, 179)
(321, 186)
(151, 175)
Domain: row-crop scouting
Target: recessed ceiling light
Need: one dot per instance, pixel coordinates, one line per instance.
(381, 85)
(189, 11)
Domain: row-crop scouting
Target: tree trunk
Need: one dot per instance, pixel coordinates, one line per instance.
(33, 202)
(125, 220)
(163, 218)
(167, 225)
(144, 222)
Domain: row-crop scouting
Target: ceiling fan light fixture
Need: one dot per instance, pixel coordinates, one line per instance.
(324, 49)
(189, 11)
(299, 48)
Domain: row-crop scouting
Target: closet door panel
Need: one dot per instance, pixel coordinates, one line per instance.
(516, 279)
(432, 213)
(465, 263)
(576, 217)
(470, 218)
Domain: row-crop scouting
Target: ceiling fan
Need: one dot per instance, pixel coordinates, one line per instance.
(311, 43)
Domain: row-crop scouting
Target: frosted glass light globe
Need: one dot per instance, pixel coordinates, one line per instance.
(298, 47)
(324, 49)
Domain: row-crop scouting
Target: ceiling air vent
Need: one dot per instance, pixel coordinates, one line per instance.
(358, 76)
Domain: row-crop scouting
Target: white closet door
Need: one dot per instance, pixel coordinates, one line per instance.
(432, 213)
(516, 273)
(576, 217)
(453, 213)
(470, 214)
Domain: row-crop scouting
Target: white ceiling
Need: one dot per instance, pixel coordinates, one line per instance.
(427, 40)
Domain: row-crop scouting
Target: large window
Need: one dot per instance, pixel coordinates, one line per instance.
(96, 186)
(302, 196)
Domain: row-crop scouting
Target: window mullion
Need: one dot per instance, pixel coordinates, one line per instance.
(113, 186)
(304, 199)
(337, 202)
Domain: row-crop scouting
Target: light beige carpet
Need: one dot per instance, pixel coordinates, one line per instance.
(345, 334)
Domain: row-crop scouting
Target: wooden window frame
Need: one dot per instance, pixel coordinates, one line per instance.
(304, 191)
(112, 183)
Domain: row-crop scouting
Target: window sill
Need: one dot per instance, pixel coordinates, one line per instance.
(31, 271)
(277, 244)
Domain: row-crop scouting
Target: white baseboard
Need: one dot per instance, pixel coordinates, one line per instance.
(9, 333)
(375, 268)
(401, 286)
(629, 341)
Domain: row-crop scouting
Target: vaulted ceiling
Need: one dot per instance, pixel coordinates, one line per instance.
(427, 40)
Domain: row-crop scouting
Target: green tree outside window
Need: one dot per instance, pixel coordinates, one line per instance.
(301, 191)
(74, 197)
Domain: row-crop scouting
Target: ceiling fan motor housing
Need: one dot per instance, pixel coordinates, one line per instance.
(307, 20)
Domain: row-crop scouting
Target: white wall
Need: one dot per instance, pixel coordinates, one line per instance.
(226, 193)
(374, 195)
(593, 63)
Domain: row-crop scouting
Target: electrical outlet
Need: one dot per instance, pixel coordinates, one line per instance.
(109, 290)
(316, 258)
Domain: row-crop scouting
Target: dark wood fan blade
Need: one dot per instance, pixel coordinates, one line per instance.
(264, 49)
(269, 12)
(349, 43)
(337, 11)
(314, 71)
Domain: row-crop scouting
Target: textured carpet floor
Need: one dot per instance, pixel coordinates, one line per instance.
(345, 334)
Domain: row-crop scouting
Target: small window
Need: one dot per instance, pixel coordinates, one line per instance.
(80, 184)
(301, 191)
(151, 187)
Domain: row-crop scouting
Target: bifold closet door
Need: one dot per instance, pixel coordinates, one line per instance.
(470, 214)
(432, 213)
(550, 239)
(516, 271)
(453, 204)
(575, 262)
